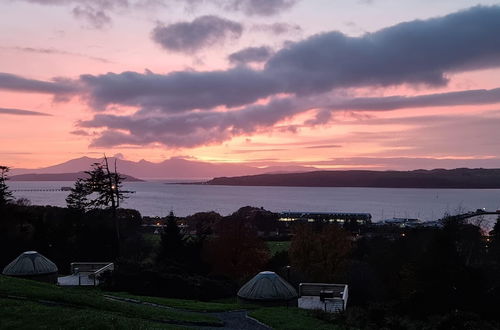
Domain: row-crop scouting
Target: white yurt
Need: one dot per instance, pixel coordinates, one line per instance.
(32, 265)
(267, 287)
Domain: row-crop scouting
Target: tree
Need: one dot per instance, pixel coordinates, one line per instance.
(236, 251)
(172, 241)
(320, 254)
(77, 199)
(107, 184)
(5, 193)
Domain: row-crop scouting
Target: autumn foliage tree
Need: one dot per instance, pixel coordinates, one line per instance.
(320, 254)
(236, 251)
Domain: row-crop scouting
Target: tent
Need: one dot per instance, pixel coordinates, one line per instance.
(267, 287)
(32, 265)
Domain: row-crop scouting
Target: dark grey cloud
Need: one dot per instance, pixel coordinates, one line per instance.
(279, 28)
(20, 112)
(204, 31)
(189, 129)
(248, 7)
(259, 7)
(178, 91)
(418, 52)
(192, 129)
(251, 55)
(58, 86)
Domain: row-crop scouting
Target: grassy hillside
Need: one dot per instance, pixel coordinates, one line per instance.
(73, 307)
(439, 178)
(28, 304)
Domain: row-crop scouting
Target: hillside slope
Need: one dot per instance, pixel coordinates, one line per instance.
(462, 178)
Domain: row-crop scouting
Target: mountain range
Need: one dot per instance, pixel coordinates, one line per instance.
(173, 168)
(61, 177)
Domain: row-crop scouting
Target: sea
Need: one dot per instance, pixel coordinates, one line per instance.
(158, 198)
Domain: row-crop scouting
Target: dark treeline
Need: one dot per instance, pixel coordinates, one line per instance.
(422, 278)
(431, 277)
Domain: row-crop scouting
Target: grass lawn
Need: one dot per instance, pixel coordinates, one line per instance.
(290, 319)
(152, 239)
(94, 299)
(278, 246)
(192, 305)
(16, 314)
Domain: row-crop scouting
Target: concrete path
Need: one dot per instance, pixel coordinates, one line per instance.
(237, 320)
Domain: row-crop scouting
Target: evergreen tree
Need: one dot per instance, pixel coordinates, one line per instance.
(77, 199)
(172, 244)
(5, 193)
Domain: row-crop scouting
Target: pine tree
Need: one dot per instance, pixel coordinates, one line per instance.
(172, 245)
(5, 193)
(77, 199)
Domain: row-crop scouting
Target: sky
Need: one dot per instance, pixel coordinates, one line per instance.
(336, 84)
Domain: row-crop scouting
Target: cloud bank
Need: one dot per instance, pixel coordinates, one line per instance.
(418, 52)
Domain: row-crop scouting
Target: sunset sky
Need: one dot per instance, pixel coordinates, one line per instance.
(376, 84)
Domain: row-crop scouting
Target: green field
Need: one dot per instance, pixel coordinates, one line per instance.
(278, 246)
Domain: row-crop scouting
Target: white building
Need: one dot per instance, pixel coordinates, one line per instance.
(330, 298)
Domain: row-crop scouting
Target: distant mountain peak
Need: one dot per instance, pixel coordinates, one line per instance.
(172, 168)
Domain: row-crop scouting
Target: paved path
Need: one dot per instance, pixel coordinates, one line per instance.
(237, 320)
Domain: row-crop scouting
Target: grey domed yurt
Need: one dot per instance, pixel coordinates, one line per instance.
(32, 265)
(267, 287)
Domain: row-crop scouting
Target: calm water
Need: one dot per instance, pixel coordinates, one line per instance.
(157, 199)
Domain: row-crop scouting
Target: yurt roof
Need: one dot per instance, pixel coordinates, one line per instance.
(267, 286)
(30, 263)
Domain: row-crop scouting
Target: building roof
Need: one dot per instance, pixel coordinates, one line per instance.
(30, 263)
(267, 286)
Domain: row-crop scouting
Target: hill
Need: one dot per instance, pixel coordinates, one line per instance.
(61, 177)
(461, 178)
